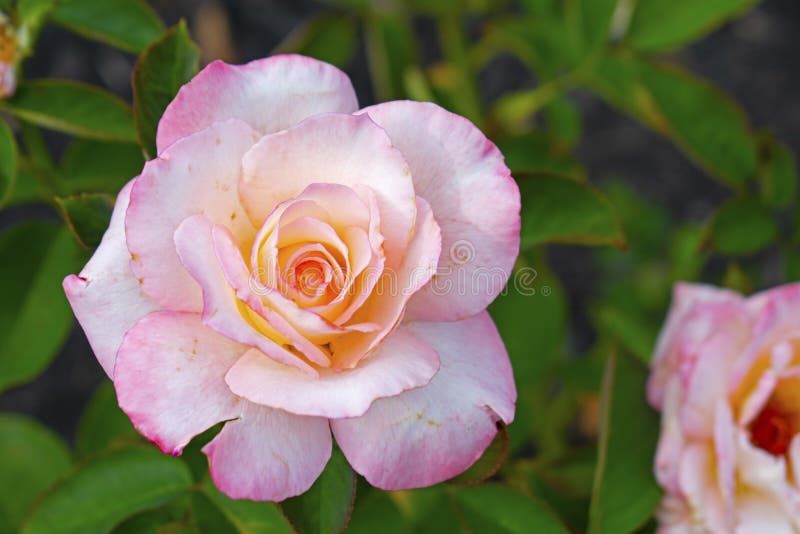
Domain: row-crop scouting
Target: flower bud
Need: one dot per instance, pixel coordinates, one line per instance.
(8, 58)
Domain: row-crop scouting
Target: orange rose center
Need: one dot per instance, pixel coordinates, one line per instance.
(772, 431)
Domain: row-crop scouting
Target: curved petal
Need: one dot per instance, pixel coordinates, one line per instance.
(474, 199)
(106, 297)
(170, 378)
(429, 434)
(685, 296)
(268, 455)
(198, 174)
(270, 94)
(333, 148)
(394, 288)
(194, 242)
(400, 363)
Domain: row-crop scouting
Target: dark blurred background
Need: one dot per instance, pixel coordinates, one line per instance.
(756, 59)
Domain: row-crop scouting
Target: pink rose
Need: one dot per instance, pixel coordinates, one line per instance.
(8, 58)
(291, 265)
(726, 378)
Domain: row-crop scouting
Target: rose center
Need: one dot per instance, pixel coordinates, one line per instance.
(772, 431)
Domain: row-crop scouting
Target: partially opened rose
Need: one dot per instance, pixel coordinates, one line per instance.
(291, 266)
(726, 377)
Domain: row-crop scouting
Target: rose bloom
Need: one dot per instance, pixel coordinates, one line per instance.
(8, 58)
(294, 267)
(726, 379)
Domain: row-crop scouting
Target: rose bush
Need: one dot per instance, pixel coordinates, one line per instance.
(284, 266)
(726, 377)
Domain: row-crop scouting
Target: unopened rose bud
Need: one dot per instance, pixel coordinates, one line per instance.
(8, 58)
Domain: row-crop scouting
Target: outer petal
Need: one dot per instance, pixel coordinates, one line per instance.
(430, 434)
(332, 148)
(474, 199)
(169, 378)
(198, 174)
(268, 455)
(400, 363)
(685, 297)
(270, 94)
(106, 297)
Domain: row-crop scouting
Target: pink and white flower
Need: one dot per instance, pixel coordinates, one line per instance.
(726, 378)
(282, 266)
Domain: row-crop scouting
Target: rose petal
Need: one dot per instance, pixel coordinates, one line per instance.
(387, 302)
(270, 94)
(400, 363)
(333, 148)
(169, 378)
(666, 357)
(429, 434)
(195, 246)
(198, 174)
(268, 455)
(106, 297)
(474, 199)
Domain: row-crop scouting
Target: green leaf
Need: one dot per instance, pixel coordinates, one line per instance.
(247, 517)
(8, 162)
(375, 512)
(532, 296)
(87, 216)
(535, 152)
(705, 121)
(160, 71)
(742, 226)
(98, 166)
(103, 425)
(561, 210)
(127, 24)
(326, 37)
(74, 108)
(489, 463)
(660, 25)
(495, 508)
(108, 489)
(326, 506)
(31, 458)
(35, 318)
(391, 53)
(625, 491)
(777, 175)
(596, 18)
(636, 333)
(564, 122)
(31, 16)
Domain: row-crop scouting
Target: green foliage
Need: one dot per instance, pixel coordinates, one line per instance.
(87, 216)
(742, 226)
(562, 210)
(494, 508)
(98, 166)
(108, 489)
(126, 24)
(160, 71)
(329, 38)
(246, 517)
(326, 507)
(695, 115)
(660, 25)
(38, 256)
(103, 426)
(625, 491)
(8, 162)
(74, 108)
(31, 458)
